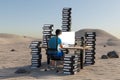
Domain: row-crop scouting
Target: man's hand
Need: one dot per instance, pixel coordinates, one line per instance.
(61, 46)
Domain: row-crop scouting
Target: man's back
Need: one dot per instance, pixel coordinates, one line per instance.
(54, 42)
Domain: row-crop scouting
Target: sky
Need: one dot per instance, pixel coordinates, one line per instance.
(27, 17)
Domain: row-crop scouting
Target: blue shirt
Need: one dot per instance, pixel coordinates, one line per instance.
(52, 43)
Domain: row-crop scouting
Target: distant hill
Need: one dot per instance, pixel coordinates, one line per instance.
(99, 33)
(6, 35)
(103, 37)
(12, 38)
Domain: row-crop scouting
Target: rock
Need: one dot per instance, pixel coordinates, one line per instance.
(113, 54)
(25, 36)
(104, 57)
(21, 71)
(104, 45)
(12, 50)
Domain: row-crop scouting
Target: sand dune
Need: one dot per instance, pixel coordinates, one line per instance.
(6, 35)
(99, 33)
(21, 58)
(103, 37)
(12, 38)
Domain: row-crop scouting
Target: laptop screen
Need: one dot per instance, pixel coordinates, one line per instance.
(68, 38)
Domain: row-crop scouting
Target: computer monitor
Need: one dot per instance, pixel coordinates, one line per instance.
(68, 38)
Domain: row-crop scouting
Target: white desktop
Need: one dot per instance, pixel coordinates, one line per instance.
(68, 38)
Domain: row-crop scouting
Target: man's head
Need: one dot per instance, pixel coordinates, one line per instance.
(58, 32)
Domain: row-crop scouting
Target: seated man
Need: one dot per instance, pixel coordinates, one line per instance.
(56, 43)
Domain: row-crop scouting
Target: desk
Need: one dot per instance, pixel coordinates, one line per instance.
(78, 48)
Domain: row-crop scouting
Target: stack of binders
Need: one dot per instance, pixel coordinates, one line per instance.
(71, 65)
(47, 32)
(90, 53)
(77, 52)
(36, 54)
(66, 19)
(65, 51)
(66, 23)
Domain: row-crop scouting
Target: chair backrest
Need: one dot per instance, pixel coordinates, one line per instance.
(48, 38)
(52, 51)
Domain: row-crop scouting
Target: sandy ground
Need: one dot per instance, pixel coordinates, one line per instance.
(108, 69)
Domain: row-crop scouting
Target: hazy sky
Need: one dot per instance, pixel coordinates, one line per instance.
(27, 17)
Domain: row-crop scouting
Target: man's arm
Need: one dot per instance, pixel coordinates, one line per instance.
(61, 46)
(60, 42)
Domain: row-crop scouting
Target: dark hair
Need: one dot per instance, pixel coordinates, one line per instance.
(58, 32)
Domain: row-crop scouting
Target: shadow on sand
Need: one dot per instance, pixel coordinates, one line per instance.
(39, 73)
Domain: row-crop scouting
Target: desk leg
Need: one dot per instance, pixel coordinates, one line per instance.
(81, 59)
(48, 60)
(82, 52)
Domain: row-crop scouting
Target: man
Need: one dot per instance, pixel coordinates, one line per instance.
(56, 43)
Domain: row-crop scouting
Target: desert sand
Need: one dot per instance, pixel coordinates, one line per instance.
(104, 69)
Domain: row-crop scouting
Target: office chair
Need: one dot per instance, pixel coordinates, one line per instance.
(51, 54)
